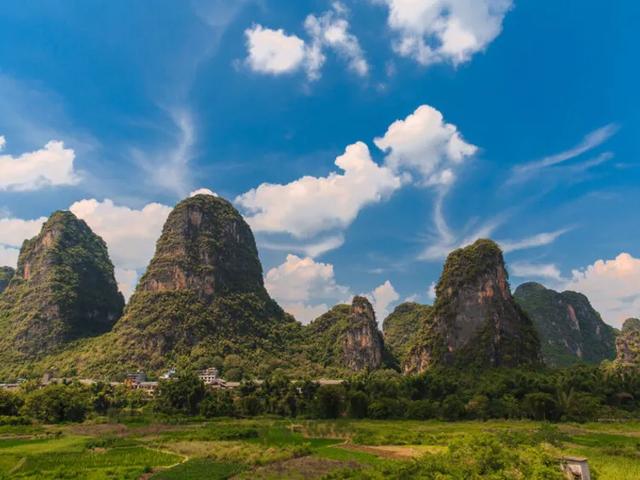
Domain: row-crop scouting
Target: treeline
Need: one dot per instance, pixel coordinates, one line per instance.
(576, 394)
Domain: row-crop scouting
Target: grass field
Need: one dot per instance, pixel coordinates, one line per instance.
(273, 449)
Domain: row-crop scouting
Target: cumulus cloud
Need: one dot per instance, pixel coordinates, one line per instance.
(382, 297)
(52, 165)
(130, 234)
(304, 287)
(274, 52)
(13, 231)
(8, 256)
(435, 31)
(424, 144)
(612, 286)
(3, 142)
(310, 205)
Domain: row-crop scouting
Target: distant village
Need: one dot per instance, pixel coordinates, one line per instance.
(138, 381)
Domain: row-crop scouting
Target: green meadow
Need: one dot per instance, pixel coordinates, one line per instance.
(266, 448)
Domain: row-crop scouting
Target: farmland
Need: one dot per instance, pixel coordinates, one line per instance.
(267, 448)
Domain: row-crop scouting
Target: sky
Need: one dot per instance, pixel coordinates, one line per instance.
(363, 140)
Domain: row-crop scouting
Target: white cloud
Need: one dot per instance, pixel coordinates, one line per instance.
(310, 205)
(8, 256)
(423, 143)
(274, 52)
(127, 280)
(3, 142)
(431, 291)
(612, 286)
(130, 234)
(203, 191)
(538, 240)
(532, 270)
(434, 31)
(13, 231)
(382, 297)
(304, 287)
(51, 165)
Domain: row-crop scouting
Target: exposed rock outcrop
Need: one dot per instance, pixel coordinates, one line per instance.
(6, 274)
(475, 320)
(570, 330)
(64, 289)
(346, 337)
(628, 344)
(401, 327)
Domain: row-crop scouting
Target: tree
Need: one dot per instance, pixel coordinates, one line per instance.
(540, 406)
(329, 401)
(57, 403)
(217, 403)
(358, 404)
(10, 403)
(182, 395)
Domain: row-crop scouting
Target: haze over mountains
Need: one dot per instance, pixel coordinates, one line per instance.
(202, 300)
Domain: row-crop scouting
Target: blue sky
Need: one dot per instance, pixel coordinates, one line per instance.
(451, 120)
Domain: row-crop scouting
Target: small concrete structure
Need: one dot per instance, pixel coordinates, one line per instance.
(576, 468)
(209, 376)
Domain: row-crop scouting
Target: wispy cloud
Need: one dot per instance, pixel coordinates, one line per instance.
(528, 270)
(537, 240)
(169, 169)
(312, 249)
(525, 171)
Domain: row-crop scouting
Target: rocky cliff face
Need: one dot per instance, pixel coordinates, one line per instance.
(63, 289)
(207, 248)
(6, 274)
(570, 330)
(401, 328)
(347, 336)
(475, 321)
(201, 297)
(628, 344)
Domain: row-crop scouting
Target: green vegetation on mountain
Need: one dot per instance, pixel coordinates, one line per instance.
(570, 330)
(346, 337)
(64, 289)
(6, 274)
(475, 320)
(401, 327)
(201, 299)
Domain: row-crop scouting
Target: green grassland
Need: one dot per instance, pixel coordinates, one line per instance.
(266, 448)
